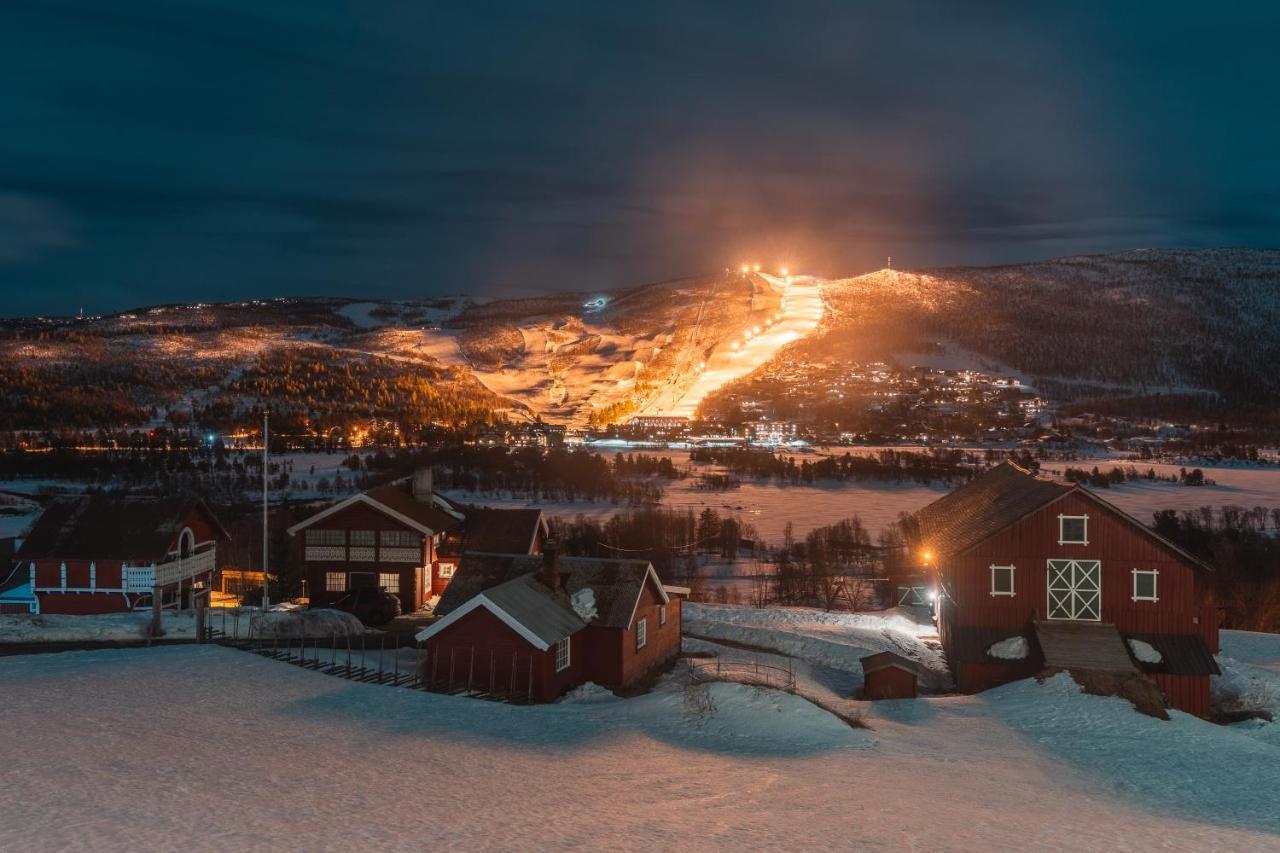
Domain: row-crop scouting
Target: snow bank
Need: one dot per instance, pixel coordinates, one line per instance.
(104, 628)
(732, 767)
(1013, 648)
(1145, 652)
(305, 623)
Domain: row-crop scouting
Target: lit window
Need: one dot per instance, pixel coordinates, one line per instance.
(642, 634)
(1002, 580)
(1073, 530)
(562, 655)
(326, 537)
(1144, 584)
(390, 581)
(447, 570)
(662, 615)
(335, 581)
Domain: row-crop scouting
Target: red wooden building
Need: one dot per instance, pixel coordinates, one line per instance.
(1015, 554)
(404, 538)
(887, 675)
(534, 627)
(104, 554)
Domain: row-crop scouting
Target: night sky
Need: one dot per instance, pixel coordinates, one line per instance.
(166, 151)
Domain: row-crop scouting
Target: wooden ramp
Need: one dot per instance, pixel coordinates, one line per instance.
(1083, 645)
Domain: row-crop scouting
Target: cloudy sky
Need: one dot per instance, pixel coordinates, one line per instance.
(175, 150)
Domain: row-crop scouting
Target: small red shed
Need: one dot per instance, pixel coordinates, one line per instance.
(887, 675)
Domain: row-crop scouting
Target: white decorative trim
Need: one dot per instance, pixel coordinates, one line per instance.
(1012, 588)
(1084, 518)
(482, 601)
(666, 599)
(365, 499)
(1155, 584)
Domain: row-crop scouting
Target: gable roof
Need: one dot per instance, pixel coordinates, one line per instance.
(500, 531)
(1000, 498)
(984, 506)
(395, 499)
(526, 606)
(616, 584)
(111, 528)
(886, 659)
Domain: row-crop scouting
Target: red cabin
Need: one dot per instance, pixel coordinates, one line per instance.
(886, 675)
(533, 627)
(404, 538)
(104, 554)
(1034, 572)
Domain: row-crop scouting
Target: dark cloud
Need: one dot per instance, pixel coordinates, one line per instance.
(162, 151)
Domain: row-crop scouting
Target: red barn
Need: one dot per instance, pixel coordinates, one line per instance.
(404, 538)
(104, 554)
(1034, 572)
(534, 627)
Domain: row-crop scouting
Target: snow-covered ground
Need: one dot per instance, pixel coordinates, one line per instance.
(205, 748)
(832, 640)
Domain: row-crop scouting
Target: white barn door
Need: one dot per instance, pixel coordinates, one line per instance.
(1075, 590)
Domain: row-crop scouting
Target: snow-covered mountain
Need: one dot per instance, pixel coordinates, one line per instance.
(1118, 326)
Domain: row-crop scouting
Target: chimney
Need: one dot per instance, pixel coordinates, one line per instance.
(551, 564)
(422, 485)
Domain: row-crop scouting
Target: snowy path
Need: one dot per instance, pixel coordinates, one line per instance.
(231, 751)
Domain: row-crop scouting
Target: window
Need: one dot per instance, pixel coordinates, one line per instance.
(362, 546)
(662, 615)
(399, 538)
(1144, 584)
(446, 570)
(326, 537)
(390, 581)
(642, 634)
(362, 537)
(1002, 580)
(562, 655)
(1073, 530)
(335, 581)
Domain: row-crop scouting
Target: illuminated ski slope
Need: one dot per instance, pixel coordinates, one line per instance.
(801, 311)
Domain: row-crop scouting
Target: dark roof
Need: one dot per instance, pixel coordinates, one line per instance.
(1094, 646)
(398, 497)
(1183, 654)
(615, 583)
(543, 613)
(967, 644)
(984, 506)
(110, 528)
(998, 499)
(883, 660)
(498, 531)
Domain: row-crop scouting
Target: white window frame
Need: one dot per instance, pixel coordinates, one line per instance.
(1012, 588)
(1155, 585)
(390, 581)
(1061, 529)
(331, 586)
(642, 633)
(662, 615)
(563, 652)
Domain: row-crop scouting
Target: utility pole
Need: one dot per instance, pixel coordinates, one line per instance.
(266, 599)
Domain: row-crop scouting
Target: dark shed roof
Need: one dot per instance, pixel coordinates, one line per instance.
(969, 644)
(615, 583)
(500, 531)
(544, 614)
(1182, 654)
(111, 528)
(883, 660)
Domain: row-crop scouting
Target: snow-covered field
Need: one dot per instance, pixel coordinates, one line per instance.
(205, 748)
